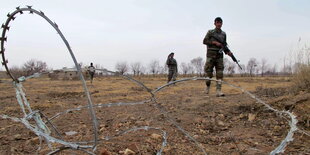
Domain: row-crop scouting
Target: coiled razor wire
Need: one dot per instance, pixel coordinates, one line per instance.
(279, 149)
(42, 131)
(3, 39)
(292, 122)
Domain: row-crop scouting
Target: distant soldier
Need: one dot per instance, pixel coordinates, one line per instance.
(91, 71)
(172, 66)
(215, 55)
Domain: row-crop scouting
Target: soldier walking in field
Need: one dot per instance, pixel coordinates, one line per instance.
(172, 66)
(215, 55)
(91, 71)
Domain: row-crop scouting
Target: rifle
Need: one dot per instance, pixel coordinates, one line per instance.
(226, 49)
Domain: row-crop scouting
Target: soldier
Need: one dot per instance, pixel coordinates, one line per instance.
(215, 55)
(91, 71)
(173, 67)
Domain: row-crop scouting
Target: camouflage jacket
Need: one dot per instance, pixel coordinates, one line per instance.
(208, 41)
(172, 63)
(91, 69)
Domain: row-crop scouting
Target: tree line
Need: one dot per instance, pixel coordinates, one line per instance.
(195, 67)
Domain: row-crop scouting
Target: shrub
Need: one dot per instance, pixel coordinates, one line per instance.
(302, 78)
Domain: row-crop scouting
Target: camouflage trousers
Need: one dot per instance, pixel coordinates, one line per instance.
(172, 75)
(91, 76)
(212, 62)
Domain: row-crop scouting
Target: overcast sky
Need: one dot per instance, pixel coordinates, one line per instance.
(105, 31)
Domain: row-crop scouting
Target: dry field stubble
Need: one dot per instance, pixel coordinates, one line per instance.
(228, 125)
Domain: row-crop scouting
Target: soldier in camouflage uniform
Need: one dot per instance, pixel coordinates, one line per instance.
(215, 56)
(91, 70)
(172, 66)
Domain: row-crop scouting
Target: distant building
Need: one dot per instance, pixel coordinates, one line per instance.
(64, 74)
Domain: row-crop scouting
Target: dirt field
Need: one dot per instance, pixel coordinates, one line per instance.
(234, 124)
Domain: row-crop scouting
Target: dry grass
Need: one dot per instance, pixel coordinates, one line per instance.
(196, 112)
(301, 61)
(302, 79)
(44, 93)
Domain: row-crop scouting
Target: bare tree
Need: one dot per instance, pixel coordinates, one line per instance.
(101, 70)
(257, 69)
(154, 67)
(229, 67)
(34, 66)
(241, 71)
(121, 67)
(143, 70)
(17, 71)
(198, 65)
(184, 67)
(287, 66)
(251, 67)
(136, 68)
(164, 68)
(98, 66)
(263, 66)
(274, 69)
(191, 69)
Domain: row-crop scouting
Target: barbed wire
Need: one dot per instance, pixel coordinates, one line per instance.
(42, 131)
(42, 128)
(304, 132)
(3, 39)
(279, 149)
(292, 122)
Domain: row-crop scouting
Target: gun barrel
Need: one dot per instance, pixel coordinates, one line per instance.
(226, 49)
(239, 66)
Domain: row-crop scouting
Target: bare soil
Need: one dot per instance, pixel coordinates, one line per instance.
(234, 124)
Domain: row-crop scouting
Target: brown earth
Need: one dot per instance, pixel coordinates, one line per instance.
(234, 124)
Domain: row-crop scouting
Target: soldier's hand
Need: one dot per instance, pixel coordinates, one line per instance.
(229, 53)
(217, 43)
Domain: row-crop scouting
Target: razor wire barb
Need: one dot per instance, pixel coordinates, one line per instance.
(40, 128)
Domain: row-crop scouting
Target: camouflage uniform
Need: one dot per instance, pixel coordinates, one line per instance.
(173, 69)
(214, 57)
(91, 71)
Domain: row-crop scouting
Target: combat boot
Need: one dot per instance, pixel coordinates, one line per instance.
(207, 89)
(219, 93)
